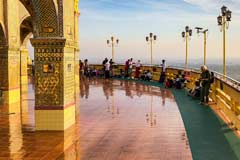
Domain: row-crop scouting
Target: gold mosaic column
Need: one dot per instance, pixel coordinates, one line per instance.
(9, 56)
(54, 84)
(24, 60)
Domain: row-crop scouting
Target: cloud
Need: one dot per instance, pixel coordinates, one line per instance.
(137, 10)
(215, 5)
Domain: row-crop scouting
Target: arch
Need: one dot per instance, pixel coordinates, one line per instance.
(28, 5)
(25, 41)
(23, 18)
(3, 40)
(23, 12)
(47, 19)
(26, 30)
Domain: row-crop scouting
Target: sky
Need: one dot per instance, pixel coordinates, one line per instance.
(132, 20)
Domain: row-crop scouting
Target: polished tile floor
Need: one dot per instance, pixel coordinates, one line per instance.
(117, 120)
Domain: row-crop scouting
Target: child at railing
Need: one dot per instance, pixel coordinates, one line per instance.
(146, 75)
(180, 81)
(178, 84)
(121, 74)
(143, 75)
(196, 91)
(169, 83)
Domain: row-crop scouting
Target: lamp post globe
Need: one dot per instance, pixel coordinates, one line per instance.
(151, 38)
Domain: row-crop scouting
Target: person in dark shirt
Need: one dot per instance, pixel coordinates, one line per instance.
(86, 68)
(178, 83)
(111, 68)
(104, 62)
(126, 68)
(205, 84)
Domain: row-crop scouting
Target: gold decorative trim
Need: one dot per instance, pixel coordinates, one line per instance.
(46, 42)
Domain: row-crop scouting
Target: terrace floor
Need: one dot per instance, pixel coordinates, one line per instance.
(116, 120)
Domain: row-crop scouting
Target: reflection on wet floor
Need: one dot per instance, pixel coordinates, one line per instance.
(117, 120)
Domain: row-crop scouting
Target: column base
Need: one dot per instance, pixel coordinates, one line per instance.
(13, 108)
(10, 96)
(54, 120)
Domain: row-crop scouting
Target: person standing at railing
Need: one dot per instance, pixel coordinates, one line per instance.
(126, 68)
(107, 70)
(130, 67)
(104, 62)
(205, 84)
(111, 68)
(138, 68)
(86, 68)
(162, 75)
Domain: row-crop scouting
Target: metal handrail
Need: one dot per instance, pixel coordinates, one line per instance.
(228, 80)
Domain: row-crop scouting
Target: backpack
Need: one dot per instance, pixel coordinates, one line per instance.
(211, 78)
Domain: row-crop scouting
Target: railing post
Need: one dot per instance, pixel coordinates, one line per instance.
(233, 106)
(213, 87)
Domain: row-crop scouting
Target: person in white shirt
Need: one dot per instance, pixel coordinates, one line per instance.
(162, 76)
(130, 68)
(148, 75)
(138, 67)
(163, 66)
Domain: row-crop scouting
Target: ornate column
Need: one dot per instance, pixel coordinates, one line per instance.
(9, 57)
(54, 84)
(23, 67)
